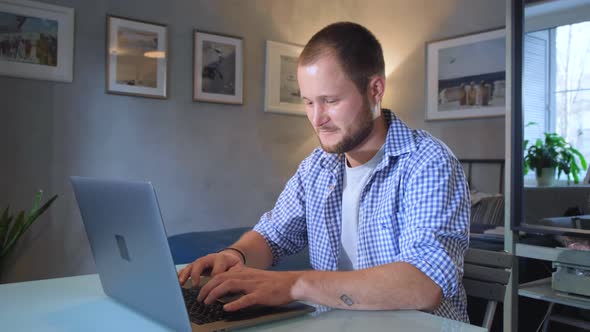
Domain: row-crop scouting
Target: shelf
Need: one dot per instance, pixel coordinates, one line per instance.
(555, 254)
(541, 290)
(558, 186)
(537, 252)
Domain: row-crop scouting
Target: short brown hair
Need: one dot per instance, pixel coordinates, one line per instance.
(354, 46)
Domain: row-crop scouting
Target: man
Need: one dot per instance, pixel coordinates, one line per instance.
(384, 209)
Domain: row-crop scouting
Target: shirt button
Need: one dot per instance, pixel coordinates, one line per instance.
(331, 187)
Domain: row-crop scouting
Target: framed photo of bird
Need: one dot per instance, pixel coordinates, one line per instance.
(218, 68)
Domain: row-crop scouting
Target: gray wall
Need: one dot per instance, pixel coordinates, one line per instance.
(214, 166)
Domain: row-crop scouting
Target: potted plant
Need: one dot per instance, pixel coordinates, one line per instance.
(551, 154)
(12, 228)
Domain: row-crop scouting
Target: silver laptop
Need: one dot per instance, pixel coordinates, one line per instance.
(130, 248)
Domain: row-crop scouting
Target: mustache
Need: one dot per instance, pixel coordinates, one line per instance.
(326, 129)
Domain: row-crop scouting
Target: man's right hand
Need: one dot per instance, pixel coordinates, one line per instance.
(216, 263)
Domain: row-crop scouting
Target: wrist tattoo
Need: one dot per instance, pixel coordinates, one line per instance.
(346, 299)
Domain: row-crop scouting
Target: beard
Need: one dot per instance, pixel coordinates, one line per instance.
(354, 136)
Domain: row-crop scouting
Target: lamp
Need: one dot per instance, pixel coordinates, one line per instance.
(155, 54)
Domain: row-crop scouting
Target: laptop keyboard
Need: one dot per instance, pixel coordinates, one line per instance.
(201, 313)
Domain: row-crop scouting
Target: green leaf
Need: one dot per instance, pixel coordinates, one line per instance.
(32, 217)
(13, 234)
(36, 202)
(582, 159)
(23, 222)
(554, 151)
(576, 177)
(5, 221)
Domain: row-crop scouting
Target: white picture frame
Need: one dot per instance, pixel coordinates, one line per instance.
(218, 75)
(41, 42)
(136, 58)
(466, 76)
(281, 88)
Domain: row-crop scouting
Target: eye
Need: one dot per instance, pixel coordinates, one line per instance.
(330, 101)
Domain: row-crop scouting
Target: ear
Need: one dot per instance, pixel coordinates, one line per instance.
(376, 88)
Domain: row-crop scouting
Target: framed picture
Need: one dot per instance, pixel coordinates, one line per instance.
(137, 58)
(281, 89)
(36, 40)
(218, 68)
(466, 76)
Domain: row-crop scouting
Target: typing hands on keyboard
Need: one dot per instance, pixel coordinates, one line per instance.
(201, 313)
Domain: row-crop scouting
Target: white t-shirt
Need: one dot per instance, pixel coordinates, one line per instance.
(354, 183)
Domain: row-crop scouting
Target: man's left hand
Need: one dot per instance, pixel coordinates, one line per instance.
(258, 286)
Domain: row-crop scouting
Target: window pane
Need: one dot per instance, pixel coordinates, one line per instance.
(572, 85)
(572, 57)
(573, 119)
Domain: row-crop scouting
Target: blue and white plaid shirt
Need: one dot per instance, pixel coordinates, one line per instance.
(414, 208)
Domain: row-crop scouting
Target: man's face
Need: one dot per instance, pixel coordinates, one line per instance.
(339, 114)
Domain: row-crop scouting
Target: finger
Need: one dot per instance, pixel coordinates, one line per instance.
(211, 284)
(218, 279)
(243, 302)
(184, 273)
(179, 273)
(228, 286)
(197, 268)
(236, 267)
(219, 266)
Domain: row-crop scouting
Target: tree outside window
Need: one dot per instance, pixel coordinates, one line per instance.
(572, 85)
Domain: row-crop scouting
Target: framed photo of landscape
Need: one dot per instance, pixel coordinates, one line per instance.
(282, 93)
(137, 58)
(218, 68)
(466, 76)
(36, 40)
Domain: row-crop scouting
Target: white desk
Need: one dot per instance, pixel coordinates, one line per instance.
(79, 304)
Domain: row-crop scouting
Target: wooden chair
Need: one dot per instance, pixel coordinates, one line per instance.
(486, 274)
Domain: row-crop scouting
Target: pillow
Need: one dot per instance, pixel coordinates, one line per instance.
(488, 211)
(477, 196)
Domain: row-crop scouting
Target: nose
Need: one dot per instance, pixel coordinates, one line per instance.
(318, 115)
